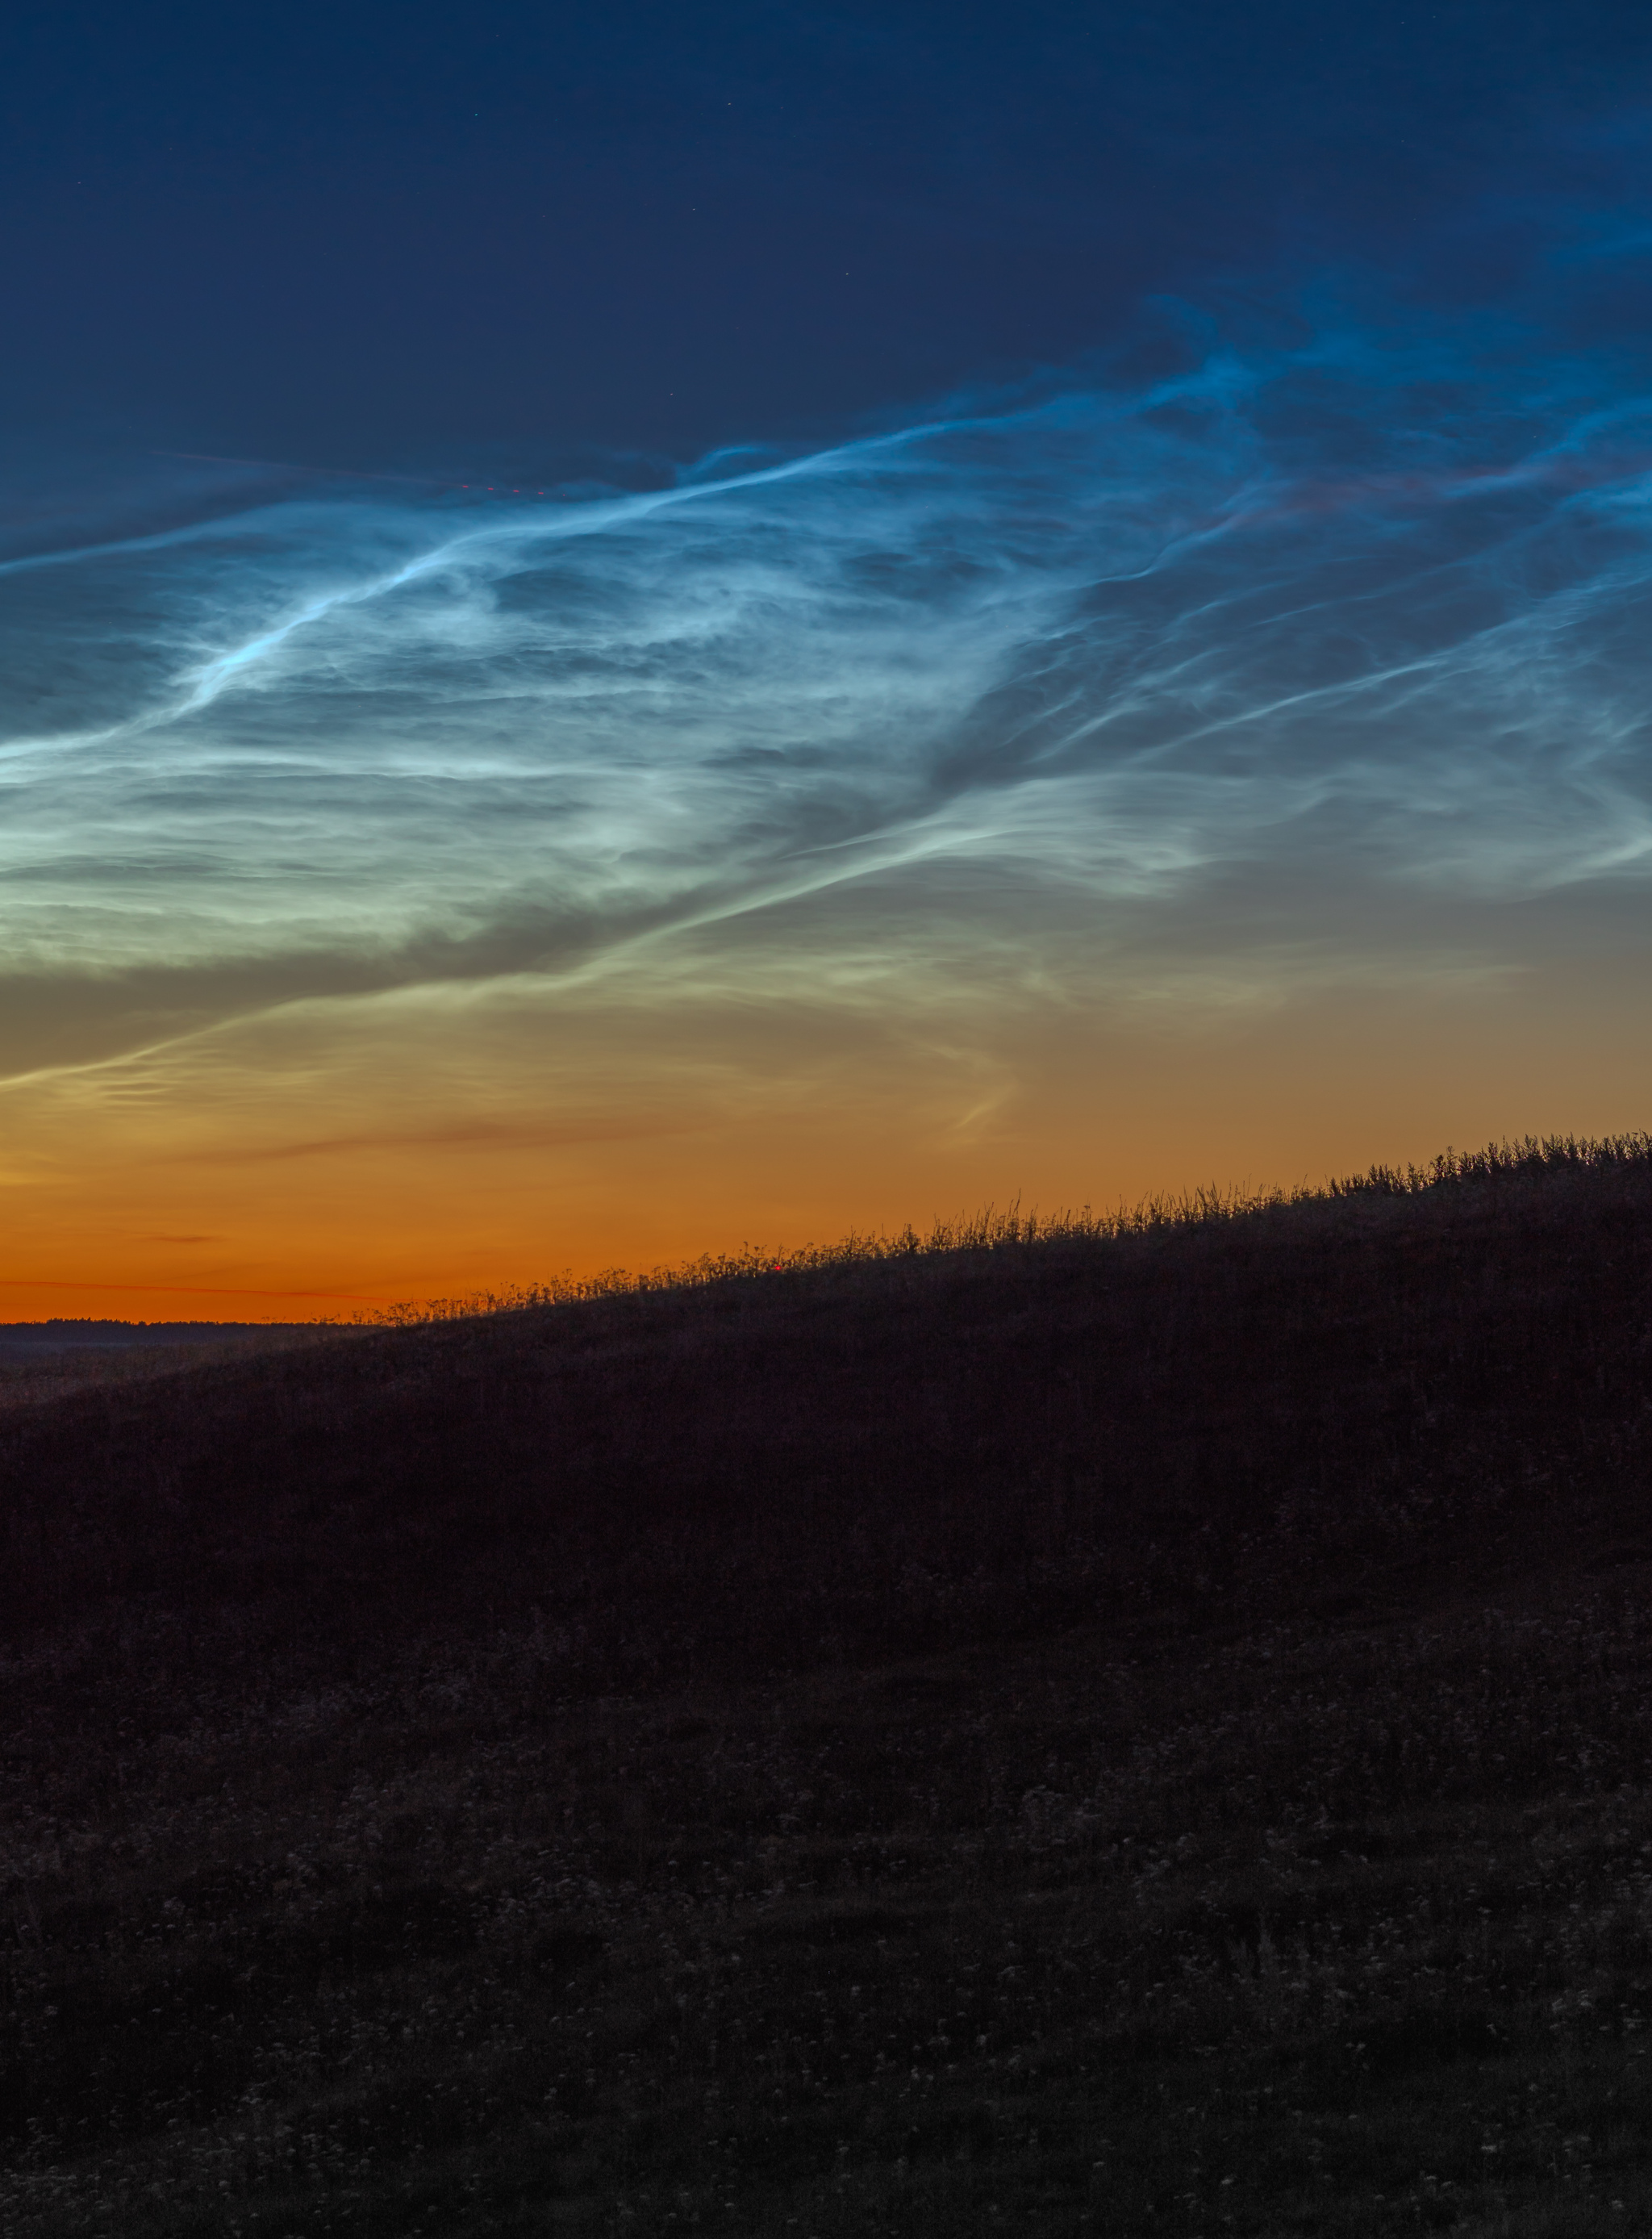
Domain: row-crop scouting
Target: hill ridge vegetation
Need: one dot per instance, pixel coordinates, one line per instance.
(1524, 1159)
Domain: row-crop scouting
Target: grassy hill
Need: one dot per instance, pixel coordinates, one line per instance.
(1138, 1728)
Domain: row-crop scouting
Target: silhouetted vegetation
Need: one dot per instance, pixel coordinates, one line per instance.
(1129, 1724)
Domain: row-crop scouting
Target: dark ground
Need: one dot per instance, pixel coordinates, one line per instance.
(1133, 1734)
(43, 1360)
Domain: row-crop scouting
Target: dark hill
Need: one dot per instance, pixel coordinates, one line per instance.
(66, 1333)
(1357, 1395)
(1131, 1731)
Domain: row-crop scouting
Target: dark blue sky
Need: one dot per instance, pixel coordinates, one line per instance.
(364, 234)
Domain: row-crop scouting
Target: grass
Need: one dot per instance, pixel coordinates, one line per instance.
(1131, 1731)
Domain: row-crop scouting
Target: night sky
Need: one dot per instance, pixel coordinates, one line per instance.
(630, 628)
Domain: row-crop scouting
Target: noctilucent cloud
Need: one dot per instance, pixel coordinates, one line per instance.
(1210, 742)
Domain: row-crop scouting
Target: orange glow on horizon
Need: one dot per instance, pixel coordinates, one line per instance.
(312, 1180)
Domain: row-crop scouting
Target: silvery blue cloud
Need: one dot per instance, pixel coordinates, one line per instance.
(1372, 597)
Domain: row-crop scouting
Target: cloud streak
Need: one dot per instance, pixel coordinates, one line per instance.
(1370, 601)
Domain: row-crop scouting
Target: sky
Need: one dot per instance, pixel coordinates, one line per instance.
(626, 631)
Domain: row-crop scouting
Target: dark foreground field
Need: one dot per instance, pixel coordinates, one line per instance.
(1135, 1734)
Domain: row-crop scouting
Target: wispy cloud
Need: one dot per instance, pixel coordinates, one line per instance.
(1371, 598)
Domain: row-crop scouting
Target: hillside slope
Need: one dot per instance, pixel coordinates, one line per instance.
(1325, 1397)
(1133, 1734)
